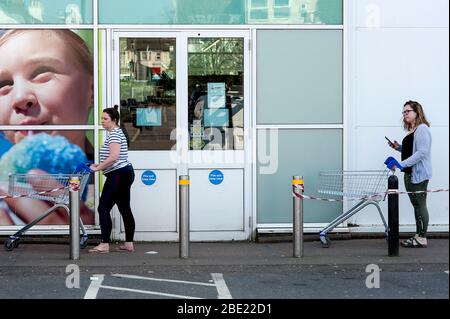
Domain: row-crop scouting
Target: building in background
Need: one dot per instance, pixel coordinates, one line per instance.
(244, 94)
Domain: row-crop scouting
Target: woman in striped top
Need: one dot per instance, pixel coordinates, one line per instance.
(119, 178)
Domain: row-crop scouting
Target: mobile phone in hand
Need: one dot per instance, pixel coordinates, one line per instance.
(389, 140)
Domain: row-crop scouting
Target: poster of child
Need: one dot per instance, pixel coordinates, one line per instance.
(46, 78)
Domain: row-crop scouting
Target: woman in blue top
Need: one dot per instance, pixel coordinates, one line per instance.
(416, 160)
(119, 178)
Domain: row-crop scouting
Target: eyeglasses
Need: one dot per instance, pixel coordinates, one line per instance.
(407, 111)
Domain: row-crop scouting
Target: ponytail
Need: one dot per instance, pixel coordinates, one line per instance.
(122, 126)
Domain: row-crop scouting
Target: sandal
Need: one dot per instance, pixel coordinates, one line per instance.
(125, 248)
(97, 249)
(413, 243)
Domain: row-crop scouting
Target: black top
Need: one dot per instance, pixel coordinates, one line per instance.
(407, 150)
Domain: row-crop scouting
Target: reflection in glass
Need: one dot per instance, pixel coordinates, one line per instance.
(295, 12)
(46, 12)
(172, 12)
(216, 96)
(221, 12)
(148, 92)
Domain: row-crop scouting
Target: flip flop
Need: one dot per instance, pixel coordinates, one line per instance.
(124, 248)
(98, 250)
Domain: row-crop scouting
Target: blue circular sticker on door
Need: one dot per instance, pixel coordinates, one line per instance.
(148, 178)
(216, 177)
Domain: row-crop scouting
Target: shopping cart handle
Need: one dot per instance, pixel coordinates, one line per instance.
(390, 162)
(84, 167)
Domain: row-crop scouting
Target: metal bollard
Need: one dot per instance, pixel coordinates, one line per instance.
(393, 228)
(74, 203)
(184, 216)
(297, 231)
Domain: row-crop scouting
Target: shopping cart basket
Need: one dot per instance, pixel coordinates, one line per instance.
(47, 187)
(368, 187)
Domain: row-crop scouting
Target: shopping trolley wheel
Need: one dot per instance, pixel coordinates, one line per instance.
(83, 242)
(10, 244)
(324, 241)
(16, 242)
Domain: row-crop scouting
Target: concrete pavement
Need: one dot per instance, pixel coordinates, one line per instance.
(341, 252)
(217, 270)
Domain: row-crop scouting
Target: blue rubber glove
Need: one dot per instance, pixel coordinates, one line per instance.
(390, 162)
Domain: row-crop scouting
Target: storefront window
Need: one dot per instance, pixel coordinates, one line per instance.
(221, 12)
(294, 12)
(295, 150)
(301, 83)
(172, 12)
(216, 96)
(46, 12)
(148, 92)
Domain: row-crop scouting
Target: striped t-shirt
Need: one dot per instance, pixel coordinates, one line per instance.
(115, 136)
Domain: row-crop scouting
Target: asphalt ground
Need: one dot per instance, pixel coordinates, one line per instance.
(235, 272)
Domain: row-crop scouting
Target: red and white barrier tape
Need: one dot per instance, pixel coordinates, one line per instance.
(37, 193)
(417, 192)
(296, 193)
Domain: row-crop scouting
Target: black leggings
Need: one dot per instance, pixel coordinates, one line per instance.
(117, 191)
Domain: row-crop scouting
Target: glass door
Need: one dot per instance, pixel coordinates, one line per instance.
(146, 88)
(218, 119)
(183, 98)
(216, 93)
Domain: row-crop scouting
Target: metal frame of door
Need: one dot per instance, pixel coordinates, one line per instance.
(182, 159)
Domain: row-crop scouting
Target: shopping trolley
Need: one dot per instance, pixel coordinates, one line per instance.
(47, 187)
(368, 187)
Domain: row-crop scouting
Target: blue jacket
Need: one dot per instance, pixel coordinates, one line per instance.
(420, 160)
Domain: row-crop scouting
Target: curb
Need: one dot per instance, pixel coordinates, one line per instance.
(272, 238)
(261, 238)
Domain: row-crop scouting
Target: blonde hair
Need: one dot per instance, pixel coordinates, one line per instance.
(420, 119)
(75, 43)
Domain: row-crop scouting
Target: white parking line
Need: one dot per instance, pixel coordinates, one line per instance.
(219, 283)
(96, 282)
(221, 286)
(165, 280)
(149, 292)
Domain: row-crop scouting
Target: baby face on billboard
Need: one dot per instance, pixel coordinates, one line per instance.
(43, 82)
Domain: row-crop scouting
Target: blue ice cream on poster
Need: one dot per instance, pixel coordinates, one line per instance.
(52, 154)
(5, 144)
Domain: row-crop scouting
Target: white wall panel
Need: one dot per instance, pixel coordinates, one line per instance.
(216, 207)
(373, 150)
(402, 13)
(155, 206)
(398, 50)
(396, 65)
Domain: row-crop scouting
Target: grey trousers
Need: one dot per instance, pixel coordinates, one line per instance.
(419, 202)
